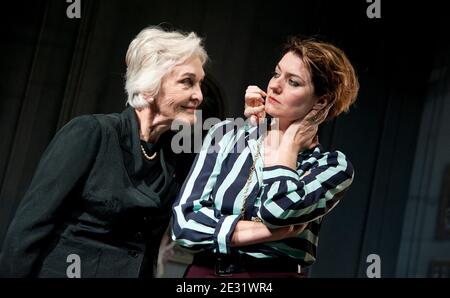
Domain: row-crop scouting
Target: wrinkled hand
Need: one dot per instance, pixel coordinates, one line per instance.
(254, 104)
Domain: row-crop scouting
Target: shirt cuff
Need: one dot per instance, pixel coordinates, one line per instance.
(224, 230)
(276, 173)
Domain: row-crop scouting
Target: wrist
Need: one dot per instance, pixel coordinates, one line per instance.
(288, 157)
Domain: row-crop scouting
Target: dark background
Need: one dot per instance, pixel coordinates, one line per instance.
(54, 68)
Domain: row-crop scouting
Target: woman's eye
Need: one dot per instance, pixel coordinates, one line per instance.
(293, 83)
(275, 75)
(187, 82)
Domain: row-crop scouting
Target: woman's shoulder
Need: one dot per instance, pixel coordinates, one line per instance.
(87, 121)
(98, 122)
(84, 124)
(332, 158)
(80, 133)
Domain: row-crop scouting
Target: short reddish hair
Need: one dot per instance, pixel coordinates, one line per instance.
(331, 72)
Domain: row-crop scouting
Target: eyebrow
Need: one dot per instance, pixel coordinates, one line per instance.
(292, 74)
(191, 75)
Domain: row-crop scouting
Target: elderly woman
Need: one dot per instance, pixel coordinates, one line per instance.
(100, 199)
(254, 200)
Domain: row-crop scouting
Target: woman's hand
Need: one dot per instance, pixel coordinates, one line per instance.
(302, 134)
(254, 104)
(299, 136)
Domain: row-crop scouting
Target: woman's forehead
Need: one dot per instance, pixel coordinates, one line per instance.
(293, 64)
(191, 67)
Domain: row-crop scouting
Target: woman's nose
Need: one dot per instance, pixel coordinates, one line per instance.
(197, 95)
(275, 85)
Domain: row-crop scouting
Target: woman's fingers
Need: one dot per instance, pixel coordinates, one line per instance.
(249, 111)
(256, 114)
(254, 104)
(254, 98)
(256, 89)
(317, 116)
(300, 134)
(314, 142)
(311, 117)
(254, 95)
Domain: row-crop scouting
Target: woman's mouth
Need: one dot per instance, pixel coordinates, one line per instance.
(273, 100)
(190, 109)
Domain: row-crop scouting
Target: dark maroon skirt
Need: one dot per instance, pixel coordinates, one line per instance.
(199, 271)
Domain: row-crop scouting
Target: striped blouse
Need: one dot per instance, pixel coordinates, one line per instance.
(210, 201)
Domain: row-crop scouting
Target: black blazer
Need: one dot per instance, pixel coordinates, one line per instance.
(94, 195)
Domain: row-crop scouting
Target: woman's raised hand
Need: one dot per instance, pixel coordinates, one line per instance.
(302, 134)
(254, 104)
(299, 136)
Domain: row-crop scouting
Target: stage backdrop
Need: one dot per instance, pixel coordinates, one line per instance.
(54, 68)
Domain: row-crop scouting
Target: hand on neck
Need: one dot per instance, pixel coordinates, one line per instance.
(280, 124)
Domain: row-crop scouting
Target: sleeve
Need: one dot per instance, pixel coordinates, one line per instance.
(290, 199)
(64, 163)
(197, 224)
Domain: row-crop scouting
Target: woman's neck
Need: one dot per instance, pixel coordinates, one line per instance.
(151, 125)
(280, 125)
(275, 134)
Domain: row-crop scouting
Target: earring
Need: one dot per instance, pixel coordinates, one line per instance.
(146, 96)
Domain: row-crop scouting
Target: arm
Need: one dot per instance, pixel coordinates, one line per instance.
(291, 199)
(65, 161)
(250, 232)
(197, 224)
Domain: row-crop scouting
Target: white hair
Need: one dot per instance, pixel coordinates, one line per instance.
(152, 54)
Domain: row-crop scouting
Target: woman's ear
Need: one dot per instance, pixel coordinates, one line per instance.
(320, 103)
(148, 97)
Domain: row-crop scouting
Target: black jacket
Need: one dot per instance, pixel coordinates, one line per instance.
(93, 195)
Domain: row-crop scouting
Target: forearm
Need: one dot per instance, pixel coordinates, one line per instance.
(296, 197)
(250, 232)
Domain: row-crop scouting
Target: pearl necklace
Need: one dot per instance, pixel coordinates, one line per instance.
(146, 155)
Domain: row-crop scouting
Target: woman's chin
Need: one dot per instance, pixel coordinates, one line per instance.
(273, 113)
(187, 118)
